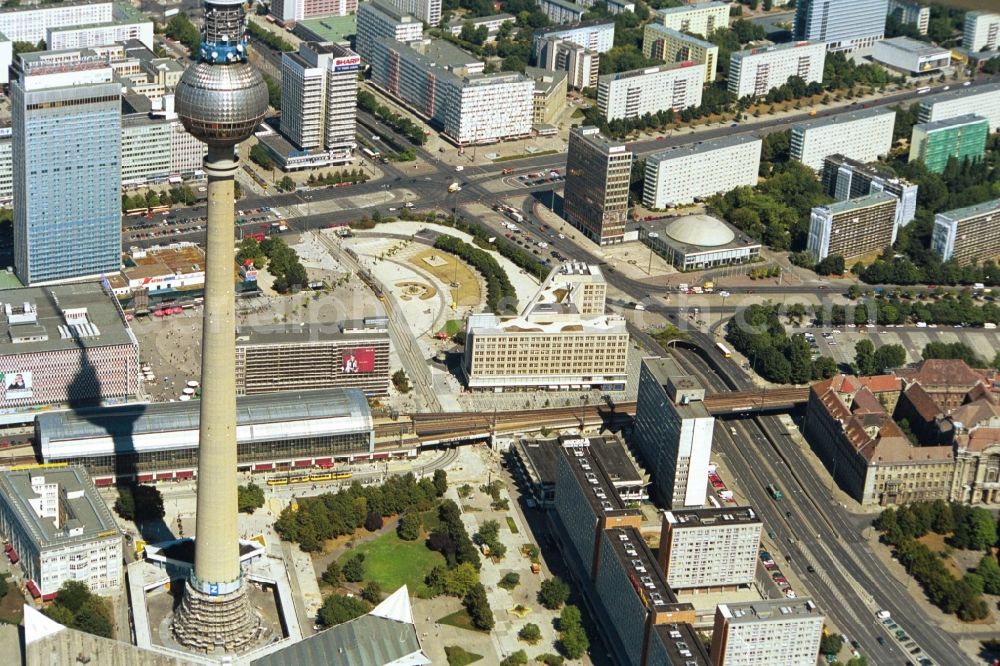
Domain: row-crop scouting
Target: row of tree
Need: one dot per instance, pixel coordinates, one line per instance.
(338, 177)
(283, 263)
(398, 123)
(871, 361)
(500, 294)
(77, 607)
(758, 333)
(175, 195)
(460, 578)
(949, 309)
(330, 515)
(269, 38)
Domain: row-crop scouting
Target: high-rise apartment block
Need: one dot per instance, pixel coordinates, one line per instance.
(597, 181)
(66, 111)
(319, 89)
(380, 19)
(290, 11)
(446, 85)
(982, 31)
(844, 178)
(700, 18)
(669, 45)
(854, 228)
(982, 100)
(961, 137)
(6, 167)
(88, 36)
(637, 92)
(755, 71)
(861, 135)
(767, 632)
(428, 11)
(155, 146)
(968, 234)
(60, 529)
(843, 25)
(580, 63)
(709, 549)
(562, 11)
(594, 35)
(911, 12)
(492, 23)
(672, 432)
(549, 99)
(681, 174)
(562, 339)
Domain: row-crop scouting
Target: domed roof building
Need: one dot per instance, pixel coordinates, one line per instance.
(695, 242)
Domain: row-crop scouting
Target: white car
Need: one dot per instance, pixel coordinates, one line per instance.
(543, 245)
(460, 168)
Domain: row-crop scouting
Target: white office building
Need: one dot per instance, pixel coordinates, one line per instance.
(982, 100)
(982, 31)
(446, 85)
(640, 91)
(145, 150)
(701, 18)
(59, 529)
(767, 632)
(755, 71)
(681, 174)
(843, 25)
(319, 90)
(380, 19)
(581, 64)
(861, 135)
(597, 36)
(709, 549)
(87, 36)
(911, 56)
(428, 11)
(911, 12)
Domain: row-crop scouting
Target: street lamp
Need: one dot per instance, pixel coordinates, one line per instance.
(651, 236)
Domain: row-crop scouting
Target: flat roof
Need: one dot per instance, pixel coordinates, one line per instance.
(948, 123)
(914, 47)
(960, 93)
(590, 477)
(546, 80)
(983, 208)
(688, 149)
(772, 48)
(593, 136)
(443, 53)
(607, 452)
(871, 170)
(54, 5)
(176, 259)
(648, 71)
(566, 4)
(857, 203)
(635, 556)
(677, 34)
(557, 29)
(127, 421)
(481, 20)
(682, 644)
(769, 610)
(666, 372)
(723, 516)
(310, 332)
(390, 10)
(693, 7)
(79, 505)
(102, 315)
(843, 118)
(329, 28)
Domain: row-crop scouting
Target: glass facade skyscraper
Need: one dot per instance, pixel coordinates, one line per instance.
(844, 25)
(66, 111)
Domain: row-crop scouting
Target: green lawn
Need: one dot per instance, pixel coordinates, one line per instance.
(458, 656)
(460, 619)
(453, 326)
(392, 562)
(511, 525)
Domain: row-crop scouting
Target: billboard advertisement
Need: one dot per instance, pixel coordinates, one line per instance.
(360, 360)
(16, 384)
(347, 64)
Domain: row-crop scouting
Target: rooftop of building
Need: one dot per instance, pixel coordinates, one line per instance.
(546, 80)
(308, 332)
(844, 118)
(949, 123)
(83, 515)
(961, 93)
(60, 318)
(692, 7)
(677, 34)
(696, 147)
(980, 13)
(913, 46)
(608, 453)
(682, 644)
(870, 170)
(769, 610)
(772, 48)
(867, 201)
(444, 57)
(480, 20)
(697, 233)
(943, 372)
(670, 377)
(53, 5)
(591, 478)
(569, 27)
(336, 29)
(636, 558)
(706, 517)
(126, 421)
(592, 136)
(647, 71)
(984, 208)
(602, 324)
(177, 259)
(387, 8)
(567, 4)
(560, 285)
(279, 145)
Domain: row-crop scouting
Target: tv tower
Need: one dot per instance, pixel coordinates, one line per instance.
(220, 99)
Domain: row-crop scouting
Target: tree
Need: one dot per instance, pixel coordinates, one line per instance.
(864, 357)
(373, 521)
(976, 530)
(831, 644)
(831, 265)
(72, 595)
(800, 360)
(458, 582)
(139, 503)
(60, 614)
(518, 658)
(286, 184)
(333, 573)
(354, 569)
(440, 482)
(372, 592)
(854, 292)
(478, 607)
(338, 608)
(408, 527)
(510, 580)
(553, 593)
(400, 381)
(573, 641)
(249, 497)
(530, 633)
(94, 617)
(889, 356)
(989, 570)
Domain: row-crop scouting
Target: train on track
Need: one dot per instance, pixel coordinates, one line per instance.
(309, 477)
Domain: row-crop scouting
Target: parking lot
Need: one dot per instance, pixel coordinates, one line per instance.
(839, 343)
